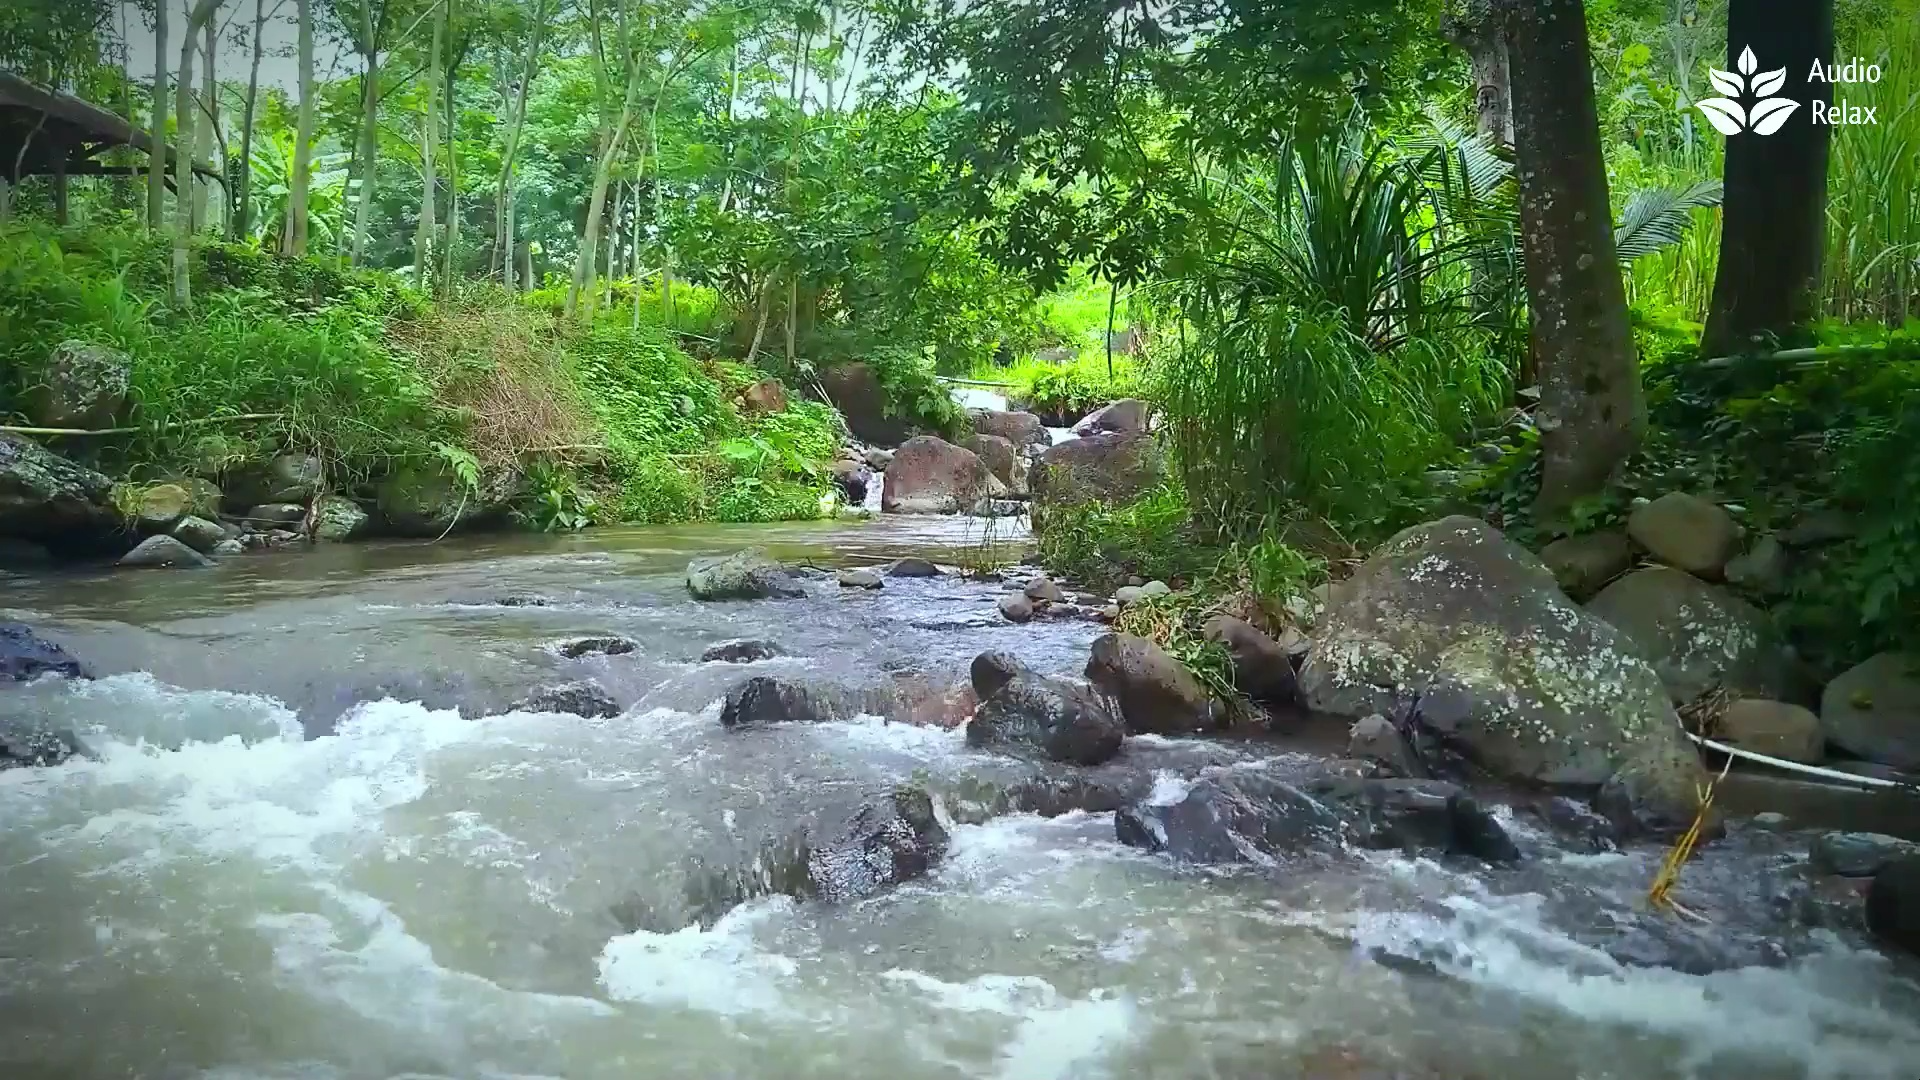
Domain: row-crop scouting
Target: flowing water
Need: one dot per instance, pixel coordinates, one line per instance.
(312, 842)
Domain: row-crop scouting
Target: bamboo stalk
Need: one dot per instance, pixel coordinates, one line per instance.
(136, 430)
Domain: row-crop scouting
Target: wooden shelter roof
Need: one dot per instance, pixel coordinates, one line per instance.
(47, 132)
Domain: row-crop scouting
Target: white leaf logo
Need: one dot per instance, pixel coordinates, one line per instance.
(1726, 113)
(1770, 115)
(1727, 117)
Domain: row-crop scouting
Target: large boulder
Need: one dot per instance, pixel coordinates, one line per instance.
(1113, 468)
(930, 475)
(743, 575)
(337, 518)
(46, 497)
(1873, 710)
(1262, 668)
(1025, 712)
(1697, 636)
(1236, 816)
(160, 551)
(159, 507)
(1156, 694)
(1584, 564)
(855, 390)
(26, 655)
(1686, 532)
(1472, 632)
(1774, 728)
(430, 500)
(1023, 430)
(83, 386)
(1893, 904)
(1126, 416)
(996, 453)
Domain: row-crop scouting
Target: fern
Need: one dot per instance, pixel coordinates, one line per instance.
(1656, 218)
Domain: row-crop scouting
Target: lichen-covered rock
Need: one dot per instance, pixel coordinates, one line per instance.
(1697, 636)
(157, 551)
(1126, 416)
(743, 575)
(1023, 430)
(429, 500)
(1873, 710)
(1262, 670)
(337, 518)
(1156, 694)
(1774, 728)
(997, 453)
(204, 495)
(46, 497)
(159, 507)
(1025, 712)
(199, 534)
(1375, 739)
(26, 655)
(83, 386)
(1116, 467)
(1584, 564)
(1472, 631)
(1686, 532)
(930, 475)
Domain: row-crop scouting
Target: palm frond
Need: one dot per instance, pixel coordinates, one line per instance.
(1656, 218)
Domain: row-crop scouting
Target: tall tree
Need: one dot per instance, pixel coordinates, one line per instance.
(241, 223)
(514, 91)
(186, 125)
(293, 239)
(614, 123)
(368, 24)
(157, 165)
(1773, 232)
(423, 232)
(1478, 29)
(1591, 410)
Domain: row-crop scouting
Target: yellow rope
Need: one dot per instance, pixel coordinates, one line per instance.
(1660, 895)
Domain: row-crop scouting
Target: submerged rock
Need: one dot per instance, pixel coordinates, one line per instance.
(20, 555)
(1234, 816)
(83, 386)
(26, 655)
(1893, 904)
(1025, 712)
(744, 651)
(578, 698)
(891, 840)
(596, 646)
(743, 575)
(1873, 710)
(1857, 854)
(1697, 636)
(46, 497)
(157, 551)
(932, 476)
(1498, 664)
(1156, 694)
(1415, 816)
(28, 747)
(766, 699)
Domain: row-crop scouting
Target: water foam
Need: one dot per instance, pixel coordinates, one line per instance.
(1056, 1036)
(720, 970)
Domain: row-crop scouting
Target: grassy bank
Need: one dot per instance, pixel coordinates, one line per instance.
(607, 422)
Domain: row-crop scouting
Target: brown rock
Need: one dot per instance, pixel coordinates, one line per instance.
(1774, 728)
(1156, 693)
(765, 396)
(932, 476)
(1584, 564)
(1686, 532)
(996, 452)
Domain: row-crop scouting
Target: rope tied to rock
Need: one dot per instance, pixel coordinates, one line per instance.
(1661, 894)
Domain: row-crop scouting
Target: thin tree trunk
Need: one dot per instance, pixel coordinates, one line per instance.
(1773, 231)
(613, 241)
(242, 221)
(597, 202)
(429, 118)
(1591, 411)
(367, 165)
(733, 92)
(509, 263)
(186, 126)
(294, 230)
(453, 159)
(209, 136)
(760, 325)
(1481, 33)
(517, 116)
(157, 165)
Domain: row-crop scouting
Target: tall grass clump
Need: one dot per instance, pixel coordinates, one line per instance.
(1873, 187)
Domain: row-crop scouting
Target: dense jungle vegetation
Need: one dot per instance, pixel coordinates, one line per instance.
(1372, 259)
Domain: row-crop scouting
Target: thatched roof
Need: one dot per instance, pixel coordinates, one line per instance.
(55, 128)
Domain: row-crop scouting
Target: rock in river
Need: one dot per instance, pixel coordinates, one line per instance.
(1893, 904)
(199, 534)
(1468, 628)
(1157, 694)
(893, 839)
(932, 476)
(46, 497)
(860, 579)
(1023, 711)
(1262, 669)
(745, 651)
(765, 700)
(163, 551)
(744, 575)
(1023, 430)
(1857, 854)
(1126, 416)
(578, 698)
(1233, 816)
(26, 655)
(911, 567)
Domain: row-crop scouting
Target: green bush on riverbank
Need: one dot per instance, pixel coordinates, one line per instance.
(608, 422)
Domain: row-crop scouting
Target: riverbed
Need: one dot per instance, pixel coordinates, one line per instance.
(313, 841)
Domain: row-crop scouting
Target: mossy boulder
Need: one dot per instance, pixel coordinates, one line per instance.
(743, 575)
(43, 496)
(82, 386)
(159, 507)
(1697, 636)
(429, 500)
(337, 518)
(1471, 632)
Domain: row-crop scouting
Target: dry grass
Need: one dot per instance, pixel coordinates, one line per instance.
(503, 366)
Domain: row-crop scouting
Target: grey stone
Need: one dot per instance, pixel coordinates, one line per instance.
(1128, 595)
(860, 579)
(1775, 728)
(1115, 467)
(895, 839)
(1893, 904)
(156, 551)
(294, 478)
(577, 698)
(337, 518)
(1126, 416)
(745, 651)
(1040, 715)
(878, 459)
(228, 547)
(912, 568)
(1696, 635)
(998, 454)
(1855, 854)
(1022, 430)
(1233, 817)
(161, 506)
(83, 386)
(1761, 568)
(1818, 528)
(1873, 710)
(1016, 607)
(1153, 590)
(597, 646)
(743, 575)
(1156, 694)
(199, 534)
(1262, 670)
(45, 497)
(1584, 564)
(1045, 588)
(25, 655)
(271, 514)
(1374, 738)
(430, 500)
(1685, 532)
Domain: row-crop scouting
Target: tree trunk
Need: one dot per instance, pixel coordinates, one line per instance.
(513, 246)
(1773, 232)
(157, 165)
(451, 136)
(1479, 31)
(186, 127)
(242, 221)
(208, 145)
(1591, 411)
(368, 165)
(597, 202)
(509, 155)
(294, 229)
(423, 234)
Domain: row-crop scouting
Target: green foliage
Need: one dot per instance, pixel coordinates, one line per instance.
(1063, 393)
(914, 393)
(555, 501)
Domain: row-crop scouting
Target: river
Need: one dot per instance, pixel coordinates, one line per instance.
(291, 856)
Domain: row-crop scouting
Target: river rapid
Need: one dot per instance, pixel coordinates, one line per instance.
(313, 842)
